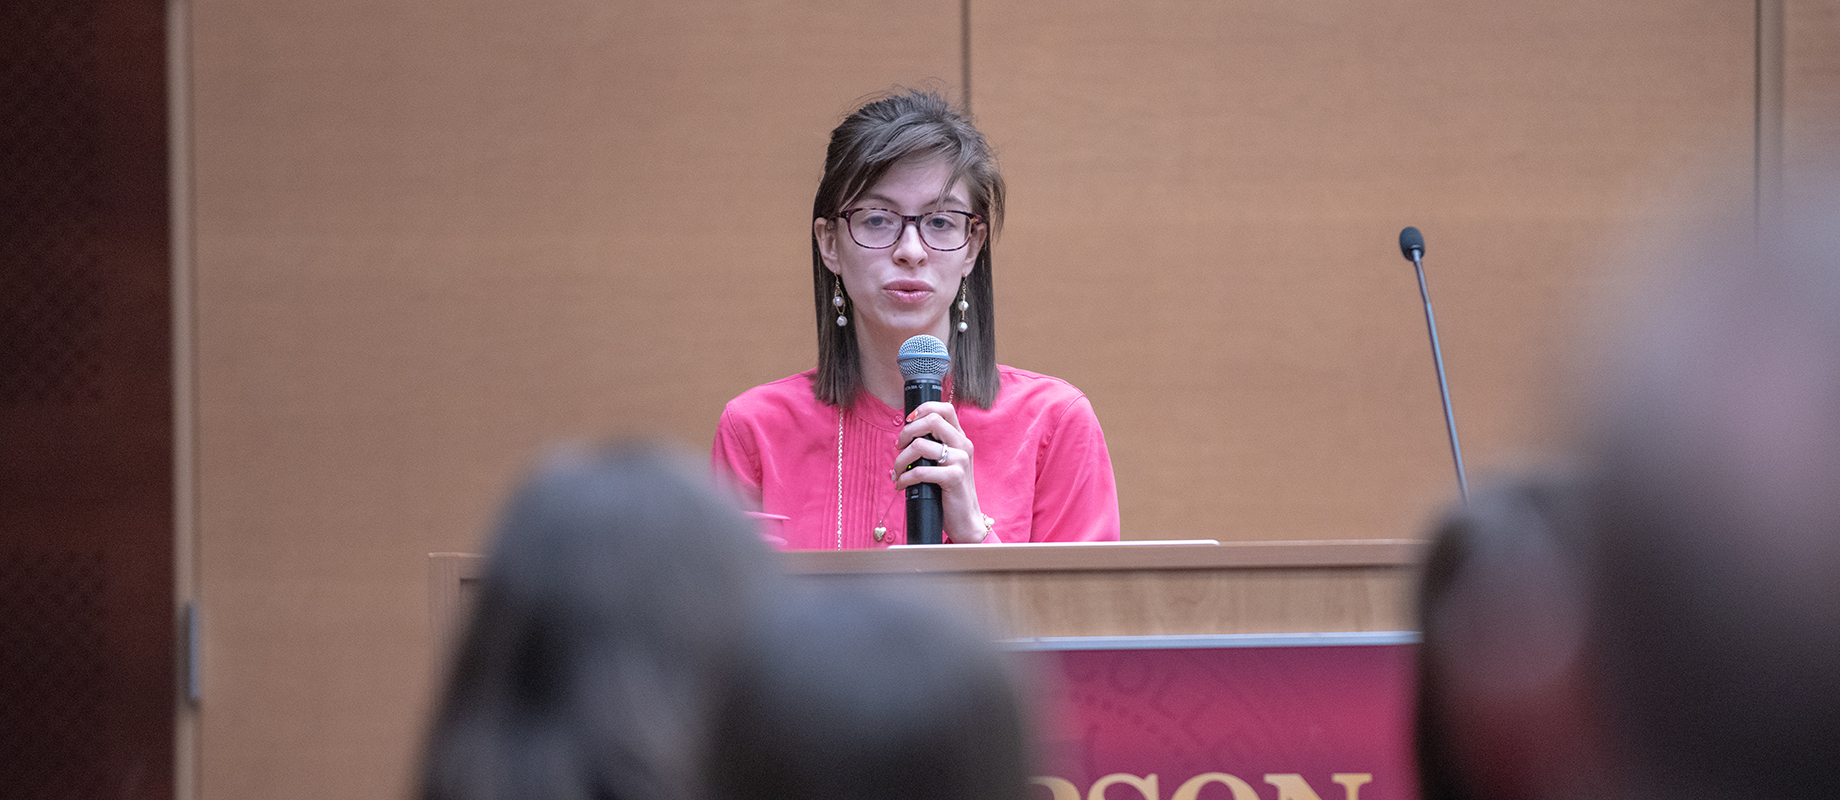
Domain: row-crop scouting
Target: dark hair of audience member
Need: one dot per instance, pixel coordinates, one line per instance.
(612, 599)
(1501, 621)
(1716, 501)
(858, 695)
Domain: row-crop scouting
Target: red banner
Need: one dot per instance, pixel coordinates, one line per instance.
(1227, 723)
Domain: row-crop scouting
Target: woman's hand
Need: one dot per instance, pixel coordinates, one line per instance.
(964, 522)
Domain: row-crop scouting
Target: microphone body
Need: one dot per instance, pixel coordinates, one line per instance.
(924, 365)
(926, 511)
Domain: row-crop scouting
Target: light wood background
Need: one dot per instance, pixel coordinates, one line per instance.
(421, 241)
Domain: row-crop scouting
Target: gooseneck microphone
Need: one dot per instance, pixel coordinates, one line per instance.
(1412, 246)
(924, 364)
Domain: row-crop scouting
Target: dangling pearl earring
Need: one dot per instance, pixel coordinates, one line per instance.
(962, 305)
(837, 302)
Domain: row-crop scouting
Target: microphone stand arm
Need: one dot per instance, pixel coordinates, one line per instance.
(1437, 356)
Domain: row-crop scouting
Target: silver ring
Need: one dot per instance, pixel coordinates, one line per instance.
(944, 452)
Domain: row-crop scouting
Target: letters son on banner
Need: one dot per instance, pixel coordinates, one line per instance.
(1226, 723)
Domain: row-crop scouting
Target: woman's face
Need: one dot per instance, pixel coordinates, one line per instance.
(907, 289)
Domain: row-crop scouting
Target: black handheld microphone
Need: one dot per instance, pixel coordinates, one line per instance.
(1412, 246)
(924, 364)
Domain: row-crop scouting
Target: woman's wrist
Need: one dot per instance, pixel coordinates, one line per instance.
(989, 529)
(978, 529)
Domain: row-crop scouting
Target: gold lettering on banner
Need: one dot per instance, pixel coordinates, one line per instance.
(1145, 785)
(1352, 781)
(1061, 788)
(1292, 786)
(1191, 790)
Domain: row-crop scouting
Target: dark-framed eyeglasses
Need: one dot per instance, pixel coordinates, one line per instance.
(880, 228)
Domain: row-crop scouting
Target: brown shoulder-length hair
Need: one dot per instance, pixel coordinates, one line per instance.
(908, 124)
(616, 599)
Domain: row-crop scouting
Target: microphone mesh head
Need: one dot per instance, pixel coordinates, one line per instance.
(1409, 240)
(924, 357)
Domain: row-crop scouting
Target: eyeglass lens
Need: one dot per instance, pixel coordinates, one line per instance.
(878, 228)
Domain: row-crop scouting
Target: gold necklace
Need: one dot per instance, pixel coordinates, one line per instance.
(881, 527)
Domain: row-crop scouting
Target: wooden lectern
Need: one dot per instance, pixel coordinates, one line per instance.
(1050, 591)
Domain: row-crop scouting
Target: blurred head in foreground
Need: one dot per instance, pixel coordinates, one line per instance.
(1714, 560)
(614, 595)
(859, 695)
(1499, 606)
(1673, 627)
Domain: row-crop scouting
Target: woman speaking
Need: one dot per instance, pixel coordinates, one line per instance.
(901, 246)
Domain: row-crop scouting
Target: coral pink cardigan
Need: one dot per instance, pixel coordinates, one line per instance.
(1042, 469)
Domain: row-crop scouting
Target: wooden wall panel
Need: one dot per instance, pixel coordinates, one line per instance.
(430, 239)
(1206, 199)
(1811, 93)
(86, 413)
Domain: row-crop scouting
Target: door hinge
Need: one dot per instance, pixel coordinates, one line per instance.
(189, 652)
